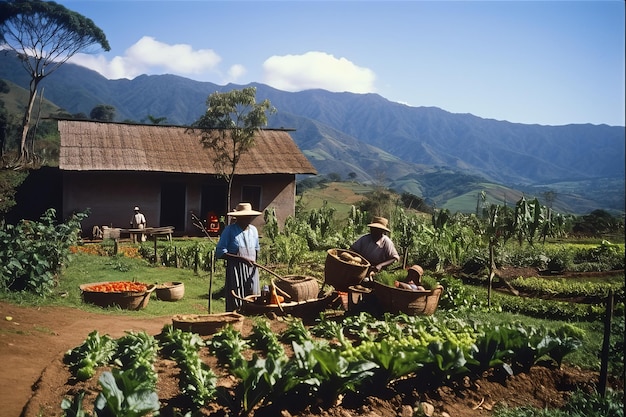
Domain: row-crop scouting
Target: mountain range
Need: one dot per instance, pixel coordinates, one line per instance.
(443, 157)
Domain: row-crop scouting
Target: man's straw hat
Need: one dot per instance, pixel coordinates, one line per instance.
(380, 223)
(244, 209)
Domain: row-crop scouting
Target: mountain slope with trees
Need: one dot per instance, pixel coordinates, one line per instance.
(374, 140)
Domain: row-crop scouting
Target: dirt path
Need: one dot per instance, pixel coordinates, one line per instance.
(31, 338)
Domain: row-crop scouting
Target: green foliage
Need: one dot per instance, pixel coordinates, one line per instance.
(10, 180)
(564, 287)
(229, 125)
(288, 250)
(103, 112)
(197, 381)
(138, 351)
(597, 222)
(95, 351)
(32, 254)
(580, 404)
(358, 354)
(125, 395)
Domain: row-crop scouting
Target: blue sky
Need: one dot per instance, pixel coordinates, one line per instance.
(534, 62)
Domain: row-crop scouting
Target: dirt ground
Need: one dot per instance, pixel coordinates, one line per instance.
(34, 379)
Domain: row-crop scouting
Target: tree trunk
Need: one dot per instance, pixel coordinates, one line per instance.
(27, 115)
(492, 270)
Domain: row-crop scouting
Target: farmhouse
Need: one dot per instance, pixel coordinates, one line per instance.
(165, 170)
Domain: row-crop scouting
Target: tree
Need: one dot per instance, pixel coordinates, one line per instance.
(103, 112)
(156, 120)
(4, 118)
(228, 128)
(44, 35)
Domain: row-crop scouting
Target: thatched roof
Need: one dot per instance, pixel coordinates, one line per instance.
(97, 146)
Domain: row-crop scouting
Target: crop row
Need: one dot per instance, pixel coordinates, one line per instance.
(330, 360)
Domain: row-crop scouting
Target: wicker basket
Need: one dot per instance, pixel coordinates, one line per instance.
(341, 274)
(129, 300)
(207, 324)
(399, 300)
(170, 291)
(299, 288)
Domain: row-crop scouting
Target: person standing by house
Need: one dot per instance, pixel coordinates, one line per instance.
(376, 246)
(239, 246)
(138, 221)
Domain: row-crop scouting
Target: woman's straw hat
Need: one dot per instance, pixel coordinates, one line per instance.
(418, 269)
(243, 209)
(380, 223)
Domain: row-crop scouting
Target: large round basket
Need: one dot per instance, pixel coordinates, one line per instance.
(414, 303)
(170, 291)
(207, 324)
(343, 274)
(299, 287)
(127, 300)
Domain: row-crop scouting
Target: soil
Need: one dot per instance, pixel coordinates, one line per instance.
(33, 341)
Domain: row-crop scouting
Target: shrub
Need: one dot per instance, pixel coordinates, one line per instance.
(32, 253)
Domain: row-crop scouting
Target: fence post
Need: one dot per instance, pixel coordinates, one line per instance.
(606, 344)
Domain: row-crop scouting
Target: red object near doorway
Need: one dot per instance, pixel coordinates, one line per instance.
(212, 224)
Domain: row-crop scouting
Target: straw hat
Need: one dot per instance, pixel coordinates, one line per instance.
(418, 269)
(136, 208)
(380, 223)
(244, 209)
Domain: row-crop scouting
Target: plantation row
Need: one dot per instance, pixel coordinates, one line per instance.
(33, 254)
(356, 356)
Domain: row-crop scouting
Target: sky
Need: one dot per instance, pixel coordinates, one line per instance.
(533, 62)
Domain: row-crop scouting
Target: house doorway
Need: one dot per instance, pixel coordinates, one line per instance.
(173, 206)
(213, 205)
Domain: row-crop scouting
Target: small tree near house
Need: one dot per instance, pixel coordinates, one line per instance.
(228, 128)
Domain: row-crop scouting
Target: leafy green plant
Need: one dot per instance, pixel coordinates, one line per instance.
(197, 381)
(33, 253)
(263, 338)
(137, 351)
(95, 351)
(228, 346)
(122, 394)
(125, 395)
(296, 332)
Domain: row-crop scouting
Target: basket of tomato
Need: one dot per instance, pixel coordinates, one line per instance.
(127, 295)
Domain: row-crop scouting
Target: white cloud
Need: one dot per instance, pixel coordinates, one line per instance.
(149, 56)
(317, 70)
(235, 72)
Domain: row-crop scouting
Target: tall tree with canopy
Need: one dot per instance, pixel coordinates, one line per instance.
(44, 35)
(228, 128)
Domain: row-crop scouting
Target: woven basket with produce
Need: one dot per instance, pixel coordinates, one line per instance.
(123, 294)
(344, 268)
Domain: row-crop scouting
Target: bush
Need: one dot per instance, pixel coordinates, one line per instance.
(32, 254)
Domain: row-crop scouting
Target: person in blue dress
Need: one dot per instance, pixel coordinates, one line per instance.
(239, 246)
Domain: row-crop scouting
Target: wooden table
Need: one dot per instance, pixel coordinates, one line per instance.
(154, 233)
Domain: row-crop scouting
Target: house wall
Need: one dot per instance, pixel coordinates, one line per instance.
(277, 191)
(111, 196)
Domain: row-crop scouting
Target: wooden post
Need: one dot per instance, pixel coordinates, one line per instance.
(211, 271)
(606, 344)
(156, 254)
(116, 246)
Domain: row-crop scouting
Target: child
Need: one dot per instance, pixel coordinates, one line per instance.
(413, 280)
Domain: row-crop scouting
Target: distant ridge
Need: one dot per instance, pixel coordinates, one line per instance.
(413, 149)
